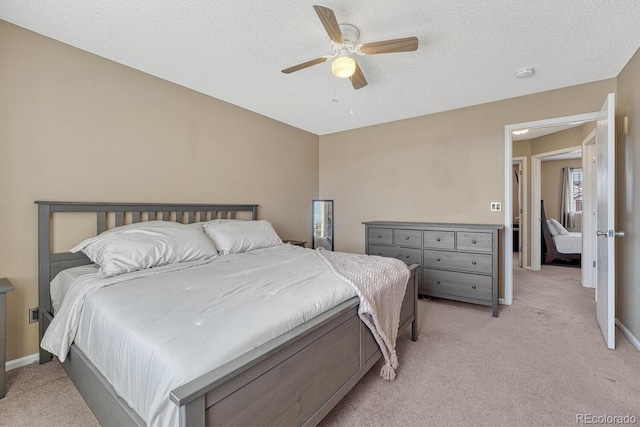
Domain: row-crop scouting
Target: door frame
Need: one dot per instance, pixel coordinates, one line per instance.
(589, 250)
(524, 217)
(507, 258)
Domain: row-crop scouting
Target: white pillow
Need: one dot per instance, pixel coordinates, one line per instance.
(559, 228)
(145, 245)
(231, 237)
(221, 221)
(552, 228)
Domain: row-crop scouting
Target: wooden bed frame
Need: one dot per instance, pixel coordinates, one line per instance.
(552, 253)
(294, 379)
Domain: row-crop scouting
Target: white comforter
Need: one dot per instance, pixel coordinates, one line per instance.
(150, 332)
(568, 243)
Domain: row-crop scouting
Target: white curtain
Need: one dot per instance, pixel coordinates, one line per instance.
(567, 218)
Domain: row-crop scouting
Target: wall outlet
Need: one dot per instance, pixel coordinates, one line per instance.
(496, 206)
(34, 313)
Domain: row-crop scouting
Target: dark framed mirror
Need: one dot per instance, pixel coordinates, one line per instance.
(322, 224)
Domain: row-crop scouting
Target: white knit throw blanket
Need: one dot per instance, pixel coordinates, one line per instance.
(380, 284)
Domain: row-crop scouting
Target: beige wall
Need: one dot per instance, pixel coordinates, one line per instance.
(628, 196)
(77, 127)
(559, 140)
(551, 184)
(522, 148)
(444, 167)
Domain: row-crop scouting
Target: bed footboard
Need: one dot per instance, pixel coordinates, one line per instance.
(295, 379)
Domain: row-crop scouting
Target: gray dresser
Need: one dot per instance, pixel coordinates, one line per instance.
(459, 261)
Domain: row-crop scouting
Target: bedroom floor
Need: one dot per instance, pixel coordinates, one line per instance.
(39, 395)
(542, 362)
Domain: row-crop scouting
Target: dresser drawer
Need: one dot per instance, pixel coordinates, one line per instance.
(387, 251)
(461, 261)
(439, 239)
(381, 235)
(474, 241)
(464, 285)
(402, 237)
(408, 255)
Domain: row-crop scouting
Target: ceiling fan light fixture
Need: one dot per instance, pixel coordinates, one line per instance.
(343, 67)
(344, 42)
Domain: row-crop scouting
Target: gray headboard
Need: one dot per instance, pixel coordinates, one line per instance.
(50, 264)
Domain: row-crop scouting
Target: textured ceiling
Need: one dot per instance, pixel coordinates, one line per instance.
(234, 50)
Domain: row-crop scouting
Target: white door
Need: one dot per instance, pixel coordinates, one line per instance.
(605, 219)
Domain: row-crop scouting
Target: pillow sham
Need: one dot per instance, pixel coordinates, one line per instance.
(559, 227)
(145, 245)
(231, 237)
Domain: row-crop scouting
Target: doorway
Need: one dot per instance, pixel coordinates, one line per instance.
(587, 218)
(533, 207)
(603, 234)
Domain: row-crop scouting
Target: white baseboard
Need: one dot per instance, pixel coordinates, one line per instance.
(23, 361)
(635, 341)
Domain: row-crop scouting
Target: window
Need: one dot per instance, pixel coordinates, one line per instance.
(576, 189)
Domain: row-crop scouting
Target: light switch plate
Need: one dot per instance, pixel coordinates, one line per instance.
(496, 206)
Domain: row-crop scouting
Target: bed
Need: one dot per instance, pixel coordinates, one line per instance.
(305, 370)
(560, 244)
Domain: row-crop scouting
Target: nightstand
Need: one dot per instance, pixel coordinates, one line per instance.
(295, 242)
(5, 286)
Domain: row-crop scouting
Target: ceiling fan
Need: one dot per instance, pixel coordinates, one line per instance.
(344, 38)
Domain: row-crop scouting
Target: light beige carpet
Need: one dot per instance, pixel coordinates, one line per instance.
(542, 362)
(43, 395)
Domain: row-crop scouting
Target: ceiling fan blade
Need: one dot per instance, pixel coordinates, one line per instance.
(357, 79)
(328, 19)
(388, 46)
(304, 65)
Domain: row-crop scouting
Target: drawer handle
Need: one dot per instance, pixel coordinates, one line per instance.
(473, 286)
(473, 241)
(379, 236)
(437, 239)
(407, 237)
(473, 262)
(437, 259)
(438, 282)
